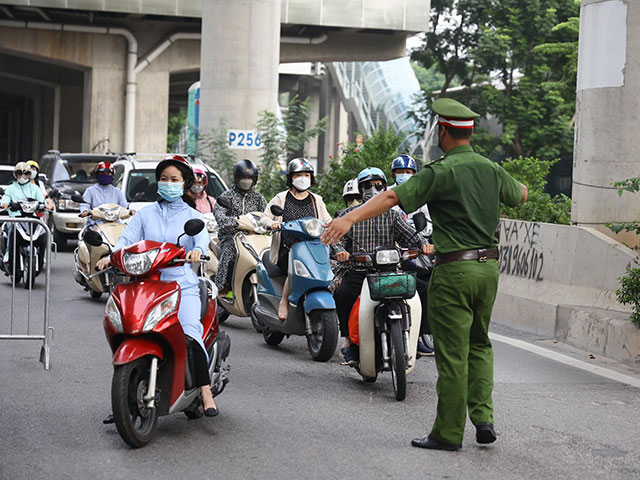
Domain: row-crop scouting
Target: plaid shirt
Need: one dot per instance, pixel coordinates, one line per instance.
(389, 228)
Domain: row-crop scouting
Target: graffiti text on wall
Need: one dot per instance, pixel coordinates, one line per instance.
(520, 249)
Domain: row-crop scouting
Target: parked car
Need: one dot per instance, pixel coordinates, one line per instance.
(135, 174)
(66, 174)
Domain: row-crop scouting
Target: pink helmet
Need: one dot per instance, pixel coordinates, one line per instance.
(201, 175)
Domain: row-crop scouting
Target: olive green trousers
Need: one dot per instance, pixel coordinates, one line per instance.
(460, 300)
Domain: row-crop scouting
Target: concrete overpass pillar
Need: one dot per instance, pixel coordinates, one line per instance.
(607, 139)
(240, 54)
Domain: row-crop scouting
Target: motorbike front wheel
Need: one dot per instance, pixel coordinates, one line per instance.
(272, 337)
(135, 422)
(322, 342)
(30, 272)
(398, 369)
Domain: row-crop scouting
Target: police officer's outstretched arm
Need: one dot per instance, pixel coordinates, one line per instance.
(338, 227)
(512, 193)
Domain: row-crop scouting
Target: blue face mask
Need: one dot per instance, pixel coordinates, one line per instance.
(170, 191)
(402, 177)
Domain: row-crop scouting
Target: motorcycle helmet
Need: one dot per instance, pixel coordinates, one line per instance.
(201, 175)
(21, 168)
(104, 167)
(181, 164)
(298, 165)
(404, 161)
(243, 169)
(350, 188)
(371, 173)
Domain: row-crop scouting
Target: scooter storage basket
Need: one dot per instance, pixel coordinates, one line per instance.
(392, 285)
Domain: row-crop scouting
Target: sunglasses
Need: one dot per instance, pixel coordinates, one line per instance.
(23, 172)
(378, 186)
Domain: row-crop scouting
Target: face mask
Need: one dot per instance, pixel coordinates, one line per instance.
(302, 183)
(354, 203)
(24, 179)
(402, 177)
(104, 178)
(197, 188)
(245, 184)
(369, 193)
(170, 191)
(34, 174)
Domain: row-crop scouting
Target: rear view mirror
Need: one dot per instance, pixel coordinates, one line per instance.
(93, 238)
(77, 198)
(138, 196)
(193, 227)
(1, 191)
(224, 202)
(277, 210)
(420, 221)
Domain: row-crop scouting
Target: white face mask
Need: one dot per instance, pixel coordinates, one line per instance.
(402, 177)
(197, 188)
(24, 179)
(34, 174)
(302, 183)
(245, 184)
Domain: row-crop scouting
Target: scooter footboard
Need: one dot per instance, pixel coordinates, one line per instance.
(136, 347)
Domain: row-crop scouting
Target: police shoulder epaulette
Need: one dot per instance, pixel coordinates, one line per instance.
(434, 161)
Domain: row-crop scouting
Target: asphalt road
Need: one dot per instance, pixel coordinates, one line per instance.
(285, 416)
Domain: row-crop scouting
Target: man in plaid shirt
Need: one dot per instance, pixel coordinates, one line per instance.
(390, 228)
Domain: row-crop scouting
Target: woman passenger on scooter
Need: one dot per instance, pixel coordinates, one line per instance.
(297, 202)
(198, 191)
(163, 222)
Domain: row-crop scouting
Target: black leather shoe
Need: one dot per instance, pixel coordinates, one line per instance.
(485, 433)
(211, 412)
(109, 419)
(433, 444)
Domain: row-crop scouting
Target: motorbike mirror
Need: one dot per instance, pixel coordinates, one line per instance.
(420, 221)
(138, 196)
(277, 210)
(224, 202)
(93, 238)
(193, 227)
(1, 191)
(77, 198)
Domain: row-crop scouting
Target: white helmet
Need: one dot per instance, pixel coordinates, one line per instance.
(351, 188)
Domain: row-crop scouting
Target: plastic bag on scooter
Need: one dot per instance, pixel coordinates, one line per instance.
(354, 326)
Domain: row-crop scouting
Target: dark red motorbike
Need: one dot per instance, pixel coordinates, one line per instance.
(152, 373)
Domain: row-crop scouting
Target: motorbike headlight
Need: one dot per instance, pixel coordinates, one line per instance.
(313, 227)
(300, 269)
(139, 263)
(387, 257)
(113, 314)
(29, 207)
(161, 310)
(110, 214)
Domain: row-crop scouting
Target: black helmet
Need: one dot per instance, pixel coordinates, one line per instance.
(245, 168)
(181, 164)
(298, 165)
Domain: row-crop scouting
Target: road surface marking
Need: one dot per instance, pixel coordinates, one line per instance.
(567, 360)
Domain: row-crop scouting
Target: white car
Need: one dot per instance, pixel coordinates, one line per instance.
(135, 174)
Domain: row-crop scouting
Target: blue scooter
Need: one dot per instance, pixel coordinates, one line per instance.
(312, 310)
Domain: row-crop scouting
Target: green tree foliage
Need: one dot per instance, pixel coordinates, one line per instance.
(377, 150)
(540, 206)
(213, 149)
(283, 140)
(629, 292)
(176, 122)
(529, 49)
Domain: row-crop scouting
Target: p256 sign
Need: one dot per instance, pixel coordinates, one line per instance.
(244, 139)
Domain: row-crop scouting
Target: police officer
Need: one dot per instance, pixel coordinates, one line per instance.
(464, 191)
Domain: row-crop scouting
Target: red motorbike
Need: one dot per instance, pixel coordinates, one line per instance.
(152, 373)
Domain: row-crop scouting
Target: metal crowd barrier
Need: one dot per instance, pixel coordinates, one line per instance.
(47, 331)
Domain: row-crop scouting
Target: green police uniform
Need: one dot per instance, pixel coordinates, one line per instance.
(464, 191)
